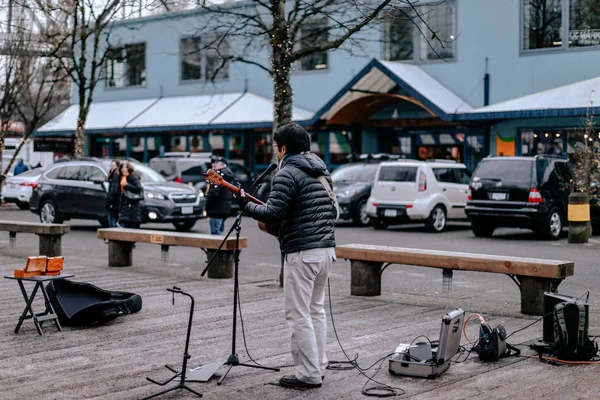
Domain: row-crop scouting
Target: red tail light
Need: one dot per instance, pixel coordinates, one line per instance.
(470, 194)
(178, 179)
(33, 185)
(422, 182)
(534, 196)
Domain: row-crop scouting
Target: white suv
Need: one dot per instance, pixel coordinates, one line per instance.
(430, 191)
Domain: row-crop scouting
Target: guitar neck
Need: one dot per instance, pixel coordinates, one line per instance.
(236, 191)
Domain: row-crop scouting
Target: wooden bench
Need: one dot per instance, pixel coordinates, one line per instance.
(533, 276)
(120, 246)
(50, 235)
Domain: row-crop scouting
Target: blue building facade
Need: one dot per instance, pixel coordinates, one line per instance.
(400, 92)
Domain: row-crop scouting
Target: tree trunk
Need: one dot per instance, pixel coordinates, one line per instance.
(281, 49)
(80, 137)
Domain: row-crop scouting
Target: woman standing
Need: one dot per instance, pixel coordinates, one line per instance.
(113, 197)
(130, 214)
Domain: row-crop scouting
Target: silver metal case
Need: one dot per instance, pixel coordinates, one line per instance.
(401, 363)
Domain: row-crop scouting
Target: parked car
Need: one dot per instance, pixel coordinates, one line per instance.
(18, 189)
(522, 192)
(352, 186)
(77, 189)
(430, 191)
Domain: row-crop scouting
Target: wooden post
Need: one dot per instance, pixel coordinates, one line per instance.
(222, 265)
(365, 278)
(12, 239)
(120, 254)
(50, 245)
(532, 294)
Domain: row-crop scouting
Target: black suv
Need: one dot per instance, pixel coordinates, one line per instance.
(77, 189)
(523, 192)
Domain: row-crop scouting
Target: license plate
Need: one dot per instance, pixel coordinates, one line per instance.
(499, 196)
(11, 186)
(187, 210)
(390, 213)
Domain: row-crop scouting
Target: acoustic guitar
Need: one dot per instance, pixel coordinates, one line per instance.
(215, 178)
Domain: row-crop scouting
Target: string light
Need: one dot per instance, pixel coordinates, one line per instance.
(80, 139)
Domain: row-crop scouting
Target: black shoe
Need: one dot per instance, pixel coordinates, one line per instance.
(291, 381)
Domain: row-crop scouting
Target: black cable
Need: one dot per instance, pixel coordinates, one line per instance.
(385, 390)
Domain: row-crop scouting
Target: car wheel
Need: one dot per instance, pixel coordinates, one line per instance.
(379, 224)
(184, 225)
(49, 213)
(22, 205)
(481, 229)
(553, 226)
(436, 222)
(361, 217)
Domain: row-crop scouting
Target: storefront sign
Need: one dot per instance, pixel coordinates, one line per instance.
(585, 37)
(53, 145)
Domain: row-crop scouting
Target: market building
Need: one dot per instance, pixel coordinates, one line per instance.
(506, 77)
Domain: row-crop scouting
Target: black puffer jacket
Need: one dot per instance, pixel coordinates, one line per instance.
(131, 210)
(218, 199)
(113, 197)
(299, 205)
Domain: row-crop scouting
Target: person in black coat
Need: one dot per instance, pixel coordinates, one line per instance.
(301, 205)
(218, 199)
(130, 215)
(113, 197)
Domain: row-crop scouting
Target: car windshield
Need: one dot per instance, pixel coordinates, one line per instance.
(506, 171)
(145, 173)
(354, 173)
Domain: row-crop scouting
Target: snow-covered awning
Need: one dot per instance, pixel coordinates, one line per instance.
(110, 116)
(571, 100)
(380, 77)
(227, 111)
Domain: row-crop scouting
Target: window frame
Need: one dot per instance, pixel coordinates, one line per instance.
(123, 48)
(565, 21)
(299, 44)
(418, 40)
(203, 62)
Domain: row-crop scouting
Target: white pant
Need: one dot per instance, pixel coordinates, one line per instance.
(305, 276)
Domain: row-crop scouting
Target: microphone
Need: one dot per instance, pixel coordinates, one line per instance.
(262, 176)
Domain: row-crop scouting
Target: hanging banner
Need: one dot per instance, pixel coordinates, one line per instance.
(505, 146)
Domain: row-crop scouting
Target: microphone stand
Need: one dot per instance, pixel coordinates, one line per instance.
(204, 372)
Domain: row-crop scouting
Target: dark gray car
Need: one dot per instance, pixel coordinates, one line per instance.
(77, 189)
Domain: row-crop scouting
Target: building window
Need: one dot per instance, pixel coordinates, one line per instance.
(584, 23)
(539, 142)
(403, 41)
(191, 60)
(313, 33)
(542, 24)
(126, 66)
(547, 22)
(204, 57)
(399, 37)
(217, 52)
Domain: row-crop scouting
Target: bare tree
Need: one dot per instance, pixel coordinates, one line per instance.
(79, 34)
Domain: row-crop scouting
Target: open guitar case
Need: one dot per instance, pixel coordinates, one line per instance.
(83, 304)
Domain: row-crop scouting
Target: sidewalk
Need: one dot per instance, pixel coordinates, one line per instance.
(112, 361)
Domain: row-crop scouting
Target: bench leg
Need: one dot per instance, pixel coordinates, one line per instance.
(222, 265)
(365, 278)
(50, 245)
(12, 239)
(164, 254)
(532, 294)
(120, 254)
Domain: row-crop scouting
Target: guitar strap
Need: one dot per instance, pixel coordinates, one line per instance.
(332, 195)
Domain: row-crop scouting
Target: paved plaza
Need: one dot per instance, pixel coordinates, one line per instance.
(113, 361)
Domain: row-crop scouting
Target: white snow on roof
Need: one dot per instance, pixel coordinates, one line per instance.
(251, 108)
(185, 110)
(575, 95)
(104, 115)
(428, 87)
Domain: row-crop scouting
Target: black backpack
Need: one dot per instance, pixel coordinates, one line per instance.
(571, 340)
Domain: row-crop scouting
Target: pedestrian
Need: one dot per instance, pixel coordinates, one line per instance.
(113, 196)
(130, 211)
(20, 167)
(218, 198)
(301, 204)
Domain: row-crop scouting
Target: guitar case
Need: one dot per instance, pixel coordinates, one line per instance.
(83, 304)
